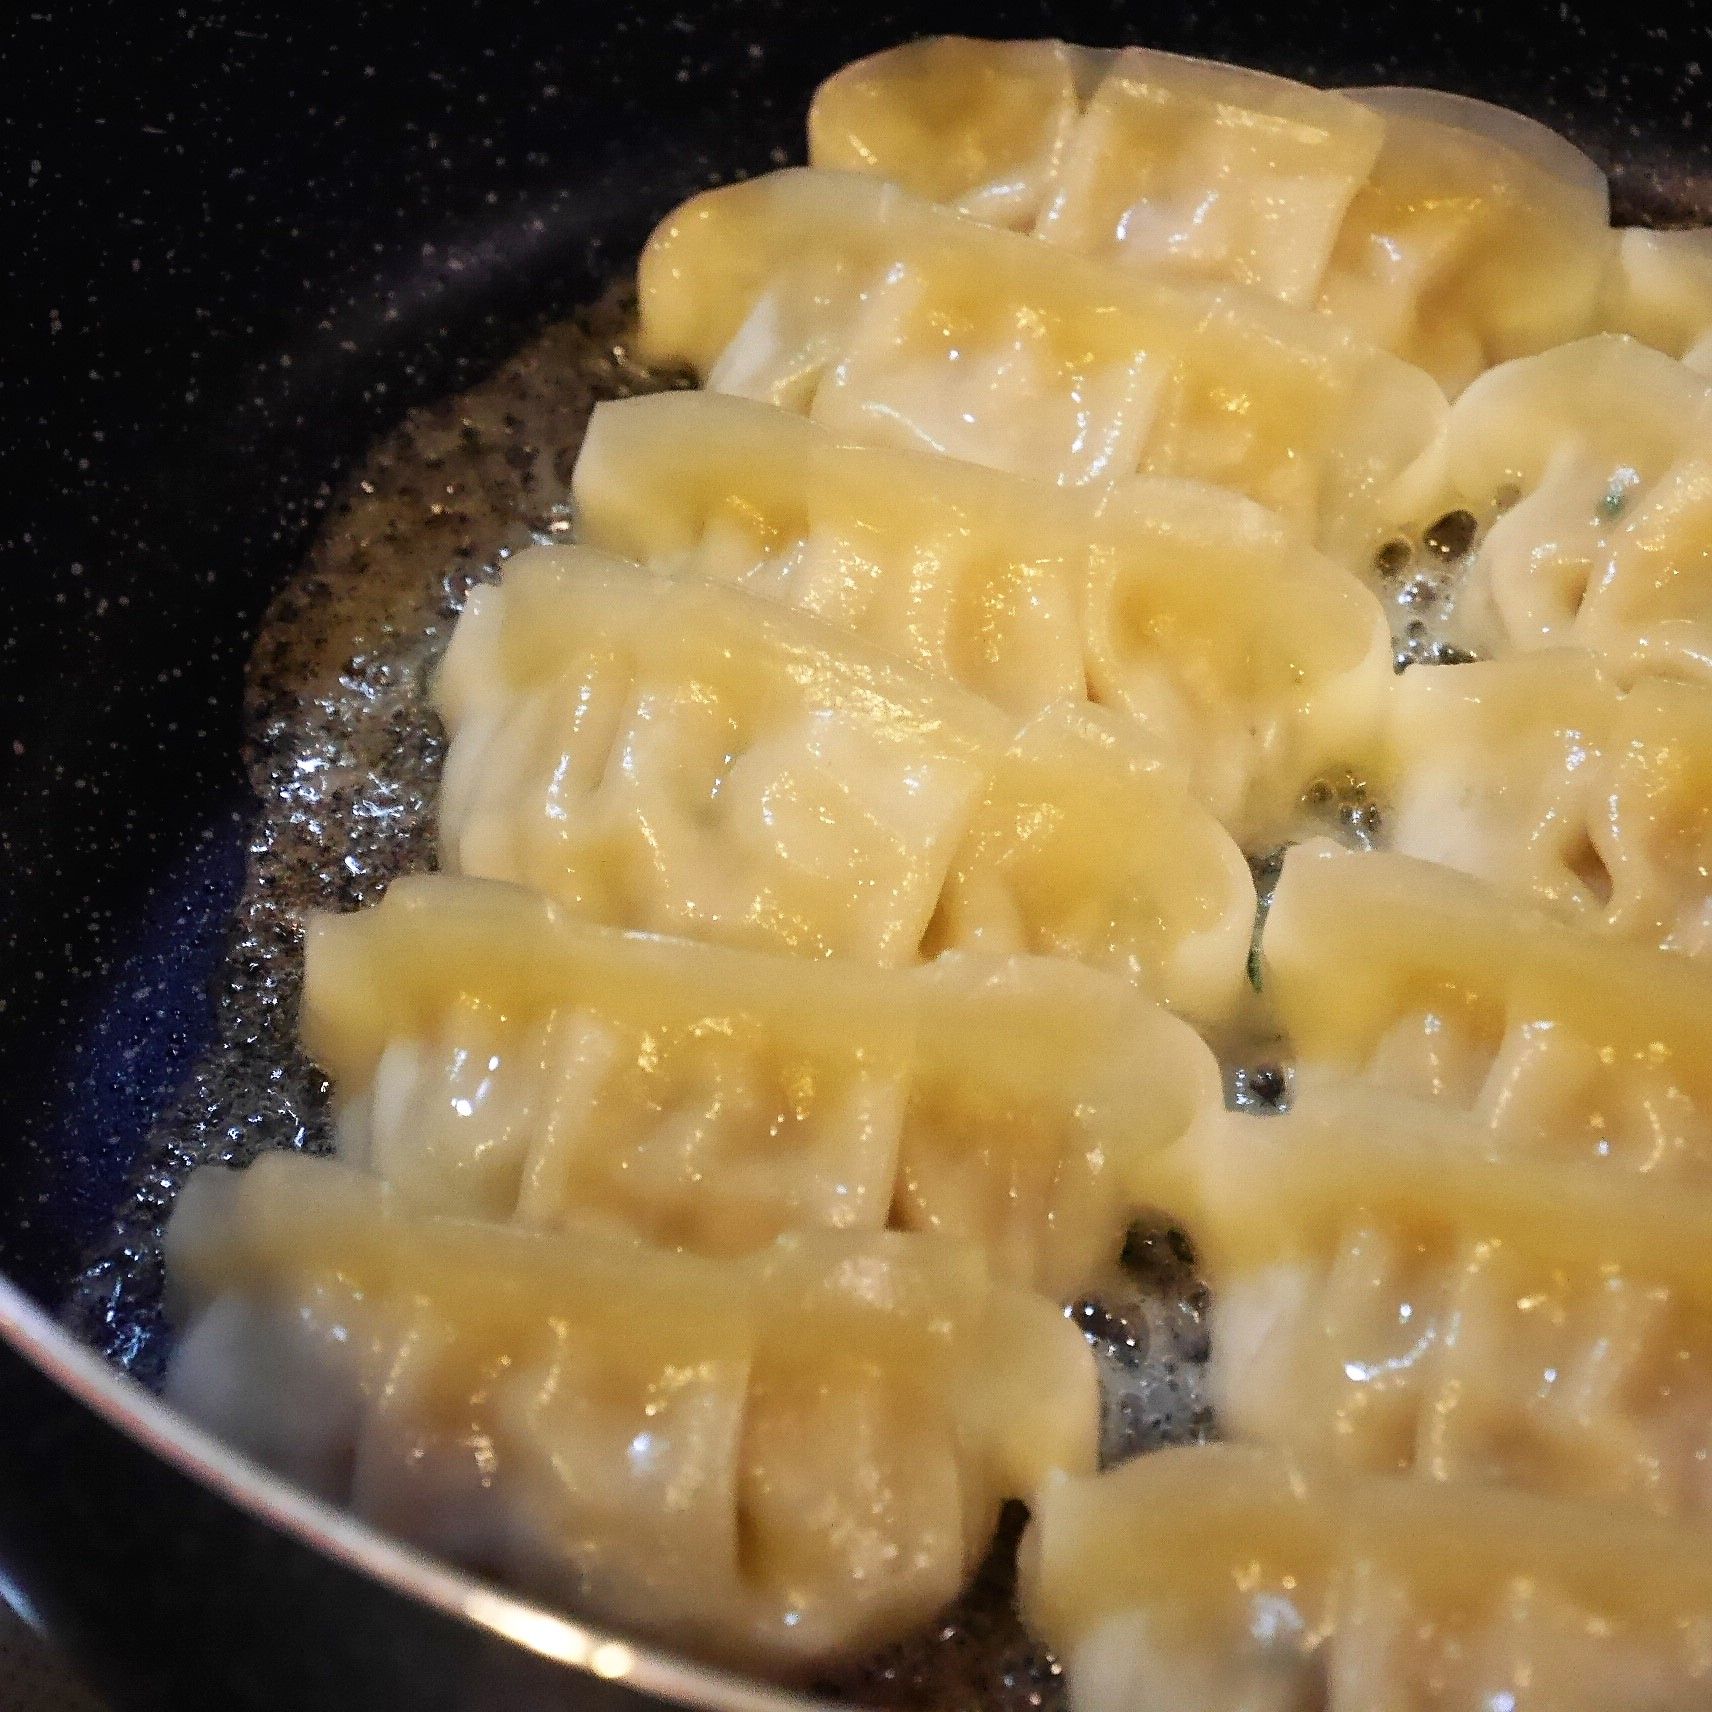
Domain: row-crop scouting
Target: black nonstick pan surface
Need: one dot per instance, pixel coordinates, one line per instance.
(242, 243)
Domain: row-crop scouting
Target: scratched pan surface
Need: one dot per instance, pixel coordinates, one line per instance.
(242, 244)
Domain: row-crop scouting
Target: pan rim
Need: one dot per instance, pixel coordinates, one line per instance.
(148, 1421)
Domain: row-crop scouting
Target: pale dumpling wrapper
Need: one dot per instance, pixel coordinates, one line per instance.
(1570, 1045)
(678, 757)
(979, 125)
(492, 1058)
(1394, 1293)
(1083, 848)
(1208, 171)
(780, 1460)
(893, 322)
(1229, 1578)
(1589, 472)
(1479, 236)
(1659, 290)
(1452, 232)
(668, 754)
(1231, 647)
(1537, 774)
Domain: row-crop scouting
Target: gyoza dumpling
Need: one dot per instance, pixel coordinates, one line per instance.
(1479, 236)
(1535, 773)
(1083, 848)
(1573, 492)
(1196, 169)
(1657, 825)
(670, 755)
(683, 758)
(930, 558)
(1455, 233)
(1491, 769)
(894, 322)
(1228, 1579)
(1660, 291)
(1392, 1293)
(981, 126)
(777, 1460)
(1412, 978)
(494, 1059)
(1233, 646)
(1212, 172)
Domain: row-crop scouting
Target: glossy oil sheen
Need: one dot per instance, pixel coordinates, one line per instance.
(247, 243)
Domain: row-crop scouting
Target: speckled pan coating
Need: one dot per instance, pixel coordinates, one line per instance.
(243, 243)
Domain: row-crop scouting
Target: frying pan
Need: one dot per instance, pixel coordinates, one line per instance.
(242, 244)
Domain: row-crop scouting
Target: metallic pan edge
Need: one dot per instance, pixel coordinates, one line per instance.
(119, 1400)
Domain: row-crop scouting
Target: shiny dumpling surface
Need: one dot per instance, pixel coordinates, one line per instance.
(492, 1058)
(1537, 774)
(670, 754)
(1233, 647)
(679, 757)
(780, 1460)
(1228, 1578)
(1659, 290)
(1560, 1042)
(1452, 232)
(1479, 236)
(1204, 170)
(1586, 476)
(981, 126)
(1394, 1293)
(1082, 848)
(895, 322)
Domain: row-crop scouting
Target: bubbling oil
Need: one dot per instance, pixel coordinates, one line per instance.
(344, 756)
(344, 753)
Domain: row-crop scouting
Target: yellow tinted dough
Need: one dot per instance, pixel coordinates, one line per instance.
(779, 1460)
(1224, 1577)
(493, 1058)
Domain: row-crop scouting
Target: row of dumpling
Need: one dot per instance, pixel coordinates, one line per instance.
(1461, 1329)
(495, 1059)
(601, 725)
(826, 719)
(1568, 486)
(600, 1292)
(1452, 232)
(715, 1146)
(1165, 655)
(1474, 1253)
(706, 1277)
(875, 747)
